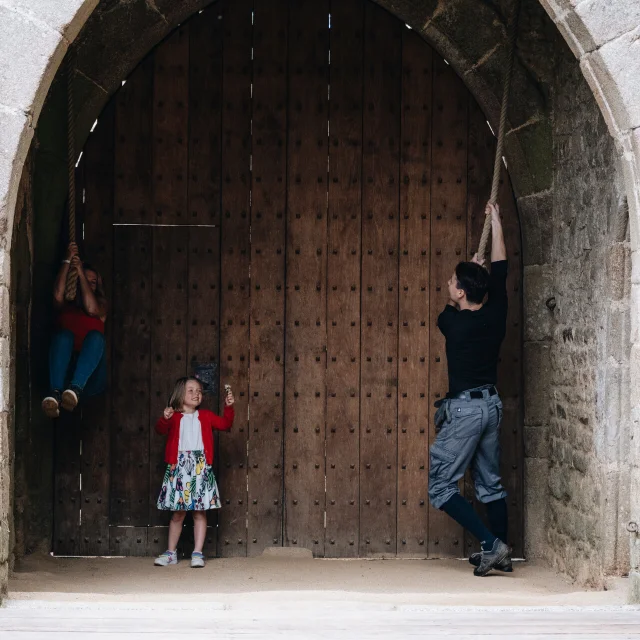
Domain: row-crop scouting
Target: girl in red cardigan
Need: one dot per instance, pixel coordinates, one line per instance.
(189, 483)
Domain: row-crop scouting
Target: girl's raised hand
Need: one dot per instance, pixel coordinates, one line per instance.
(229, 400)
(168, 412)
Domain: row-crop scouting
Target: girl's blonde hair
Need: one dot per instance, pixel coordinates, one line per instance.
(176, 401)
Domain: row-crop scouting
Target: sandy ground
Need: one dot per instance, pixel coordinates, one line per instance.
(233, 581)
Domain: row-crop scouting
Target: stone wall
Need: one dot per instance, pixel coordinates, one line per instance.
(577, 333)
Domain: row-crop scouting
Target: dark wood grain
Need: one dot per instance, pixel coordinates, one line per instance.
(414, 408)
(168, 344)
(379, 319)
(171, 129)
(98, 159)
(205, 117)
(268, 242)
(130, 393)
(343, 281)
(306, 275)
(448, 247)
(133, 144)
(235, 294)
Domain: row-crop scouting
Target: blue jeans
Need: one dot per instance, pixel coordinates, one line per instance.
(469, 437)
(86, 372)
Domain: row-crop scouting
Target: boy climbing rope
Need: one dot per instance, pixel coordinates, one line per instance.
(468, 420)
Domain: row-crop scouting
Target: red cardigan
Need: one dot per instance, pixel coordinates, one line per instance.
(208, 422)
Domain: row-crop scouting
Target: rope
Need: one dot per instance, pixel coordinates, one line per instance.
(495, 185)
(72, 276)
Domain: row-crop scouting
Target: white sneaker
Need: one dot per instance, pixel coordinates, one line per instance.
(69, 400)
(50, 407)
(197, 560)
(166, 558)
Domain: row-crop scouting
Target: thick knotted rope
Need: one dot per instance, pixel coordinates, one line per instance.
(495, 185)
(72, 276)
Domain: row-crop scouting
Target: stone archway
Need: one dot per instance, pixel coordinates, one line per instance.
(36, 35)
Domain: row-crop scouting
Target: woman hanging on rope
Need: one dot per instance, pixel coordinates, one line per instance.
(77, 358)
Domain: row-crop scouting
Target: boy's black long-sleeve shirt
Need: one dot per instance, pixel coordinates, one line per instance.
(473, 338)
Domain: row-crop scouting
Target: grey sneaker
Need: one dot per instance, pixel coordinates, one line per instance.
(491, 559)
(166, 558)
(69, 400)
(50, 407)
(197, 560)
(505, 565)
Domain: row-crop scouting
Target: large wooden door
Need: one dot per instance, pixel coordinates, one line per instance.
(283, 188)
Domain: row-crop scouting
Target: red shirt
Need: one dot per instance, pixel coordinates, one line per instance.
(79, 322)
(208, 422)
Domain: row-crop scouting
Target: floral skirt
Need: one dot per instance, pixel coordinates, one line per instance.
(189, 485)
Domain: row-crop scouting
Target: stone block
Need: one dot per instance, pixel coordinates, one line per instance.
(5, 374)
(4, 579)
(536, 218)
(537, 376)
(536, 442)
(35, 51)
(618, 261)
(535, 509)
(536, 142)
(5, 267)
(615, 68)
(634, 587)
(5, 312)
(538, 288)
(14, 144)
(130, 27)
(5, 536)
(606, 21)
(618, 333)
(64, 16)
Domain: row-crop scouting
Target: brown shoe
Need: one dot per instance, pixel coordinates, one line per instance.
(50, 407)
(69, 400)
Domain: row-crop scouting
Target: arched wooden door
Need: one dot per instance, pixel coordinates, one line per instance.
(284, 187)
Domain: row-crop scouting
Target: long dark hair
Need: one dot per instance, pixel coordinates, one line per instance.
(100, 284)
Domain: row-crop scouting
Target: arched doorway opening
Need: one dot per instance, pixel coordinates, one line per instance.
(275, 192)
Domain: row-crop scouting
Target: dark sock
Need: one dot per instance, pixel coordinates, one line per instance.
(462, 512)
(498, 520)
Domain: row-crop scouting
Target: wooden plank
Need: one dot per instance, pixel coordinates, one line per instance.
(168, 316)
(171, 129)
(132, 306)
(343, 279)
(448, 241)
(305, 366)
(414, 325)
(98, 159)
(379, 321)
(269, 195)
(128, 541)
(203, 325)
(66, 508)
(133, 143)
(205, 117)
(205, 178)
(235, 300)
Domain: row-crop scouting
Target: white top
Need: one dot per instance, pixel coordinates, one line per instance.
(190, 433)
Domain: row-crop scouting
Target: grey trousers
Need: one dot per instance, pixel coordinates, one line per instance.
(470, 436)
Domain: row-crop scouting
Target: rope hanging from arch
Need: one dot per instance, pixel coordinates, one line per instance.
(495, 185)
(72, 275)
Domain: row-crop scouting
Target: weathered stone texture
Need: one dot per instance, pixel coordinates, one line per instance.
(590, 345)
